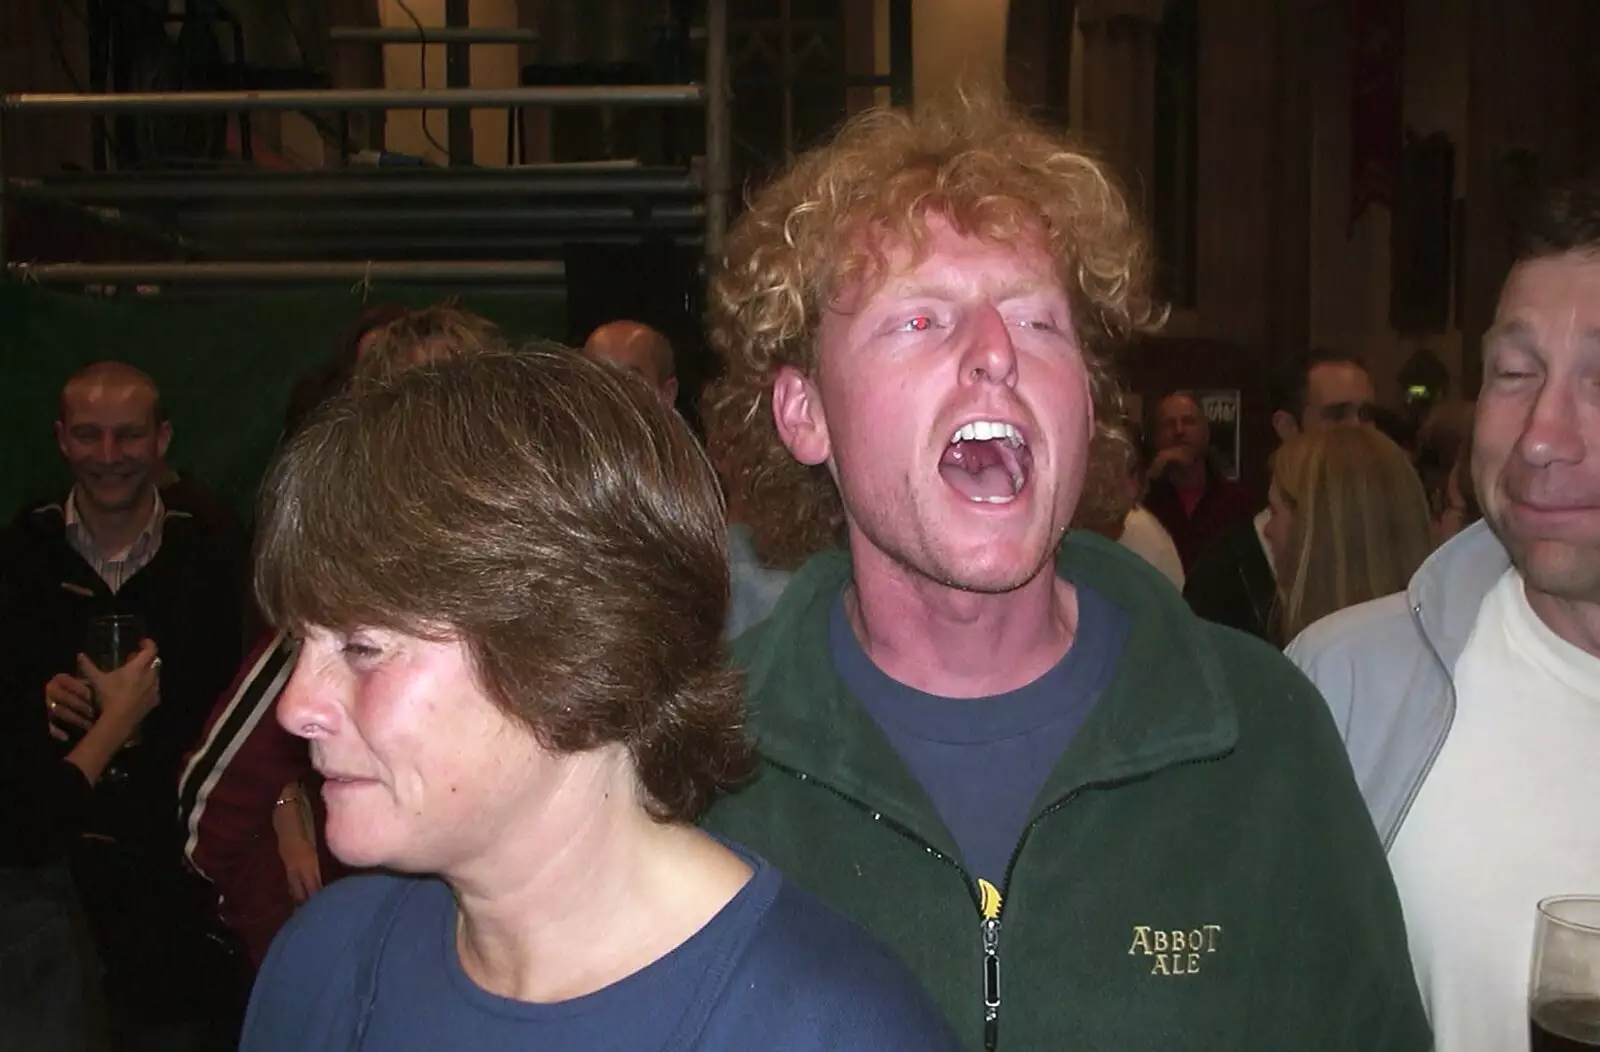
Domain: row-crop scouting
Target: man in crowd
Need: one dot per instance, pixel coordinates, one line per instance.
(634, 345)
(1471, 703)
(755, 582)
(1234, 582)
(1141, 532)
(1085, 817)
(113, 546)
(1188, 492)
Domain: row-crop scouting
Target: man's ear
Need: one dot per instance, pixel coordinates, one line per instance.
(1285, 425)
(669, 392)
(61, 437)
(797, 411)
(163, 438)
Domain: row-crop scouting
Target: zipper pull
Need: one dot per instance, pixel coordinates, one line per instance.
(991, 982)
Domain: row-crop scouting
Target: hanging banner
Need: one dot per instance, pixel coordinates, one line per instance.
(1377, 99)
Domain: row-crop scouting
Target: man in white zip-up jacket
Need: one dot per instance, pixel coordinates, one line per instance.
(1471, 703)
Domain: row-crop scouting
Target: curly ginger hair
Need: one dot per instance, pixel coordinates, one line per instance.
(989, 172)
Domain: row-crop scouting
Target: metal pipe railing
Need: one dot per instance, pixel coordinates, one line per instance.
(529, 271)
(455, 220)
(717, 133)
(430, 35)
(3, 182)
(359, 99)
(714, 95)
(201, 188)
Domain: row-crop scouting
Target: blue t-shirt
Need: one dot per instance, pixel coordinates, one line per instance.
(371, 963)
(983, 761)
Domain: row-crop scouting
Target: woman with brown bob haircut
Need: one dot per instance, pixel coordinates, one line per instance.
(985, 169)
(509, 573)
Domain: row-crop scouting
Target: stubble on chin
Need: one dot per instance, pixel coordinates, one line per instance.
(979, 573)
(1558, 569)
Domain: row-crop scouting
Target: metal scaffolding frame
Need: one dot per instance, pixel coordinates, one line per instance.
(712, 183)
(371, 184)
(358, 99)
(430, 35)
(534, 272)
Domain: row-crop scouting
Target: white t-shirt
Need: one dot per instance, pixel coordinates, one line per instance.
(1510, 814)
(1143, 533)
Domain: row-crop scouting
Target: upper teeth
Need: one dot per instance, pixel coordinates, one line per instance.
(983, 430)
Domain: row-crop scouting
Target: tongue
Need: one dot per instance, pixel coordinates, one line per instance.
(978, 470)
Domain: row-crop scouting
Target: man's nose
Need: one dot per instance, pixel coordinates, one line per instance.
(989, 353)
(1552, 433)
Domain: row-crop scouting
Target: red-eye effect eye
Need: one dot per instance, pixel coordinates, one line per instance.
(921, 323)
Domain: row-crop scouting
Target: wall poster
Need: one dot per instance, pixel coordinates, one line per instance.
(1221, 407)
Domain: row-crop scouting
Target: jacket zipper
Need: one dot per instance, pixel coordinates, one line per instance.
(891, 823)
(989, 923)
(990, 928)
(1438, 746)
(989, 920)
(991, 981)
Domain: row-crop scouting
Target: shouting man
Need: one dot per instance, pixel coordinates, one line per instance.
(986, 740)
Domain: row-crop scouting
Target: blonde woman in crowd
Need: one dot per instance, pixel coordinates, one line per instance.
(1445, 462)
(1349, 522)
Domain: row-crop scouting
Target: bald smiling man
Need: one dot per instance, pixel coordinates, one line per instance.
(636, 346)
(112, 545)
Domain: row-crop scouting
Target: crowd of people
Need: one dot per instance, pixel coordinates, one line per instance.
(531, 718)
(1350, 514)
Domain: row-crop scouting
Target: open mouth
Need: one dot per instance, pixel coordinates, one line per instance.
(987, 462)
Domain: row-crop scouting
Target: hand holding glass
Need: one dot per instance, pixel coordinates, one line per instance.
(112, 640)
(1564, 989)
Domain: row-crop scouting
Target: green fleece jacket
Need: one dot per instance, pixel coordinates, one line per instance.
(1199, 871)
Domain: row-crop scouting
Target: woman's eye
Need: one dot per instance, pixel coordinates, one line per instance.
(358, 650)
(921, 323)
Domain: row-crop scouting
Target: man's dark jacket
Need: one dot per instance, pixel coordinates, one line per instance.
(1198, 873)
(1233, 584)
(1223, 505)
(147, 926)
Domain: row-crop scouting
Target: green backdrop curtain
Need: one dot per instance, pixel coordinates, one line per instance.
(225, 367)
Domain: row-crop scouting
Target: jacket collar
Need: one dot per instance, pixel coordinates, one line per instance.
(129, 560)
(1447, 590)
(1167, 702)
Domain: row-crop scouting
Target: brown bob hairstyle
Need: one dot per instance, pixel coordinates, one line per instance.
(550, 513)
(808, 237)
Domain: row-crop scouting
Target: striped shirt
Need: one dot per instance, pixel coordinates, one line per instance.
(115, 570)
(245, 797)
